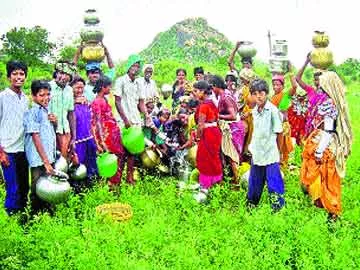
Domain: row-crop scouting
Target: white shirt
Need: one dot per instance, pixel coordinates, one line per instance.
(149, 88)
(12, 111)
(130, 93)
(267, 124)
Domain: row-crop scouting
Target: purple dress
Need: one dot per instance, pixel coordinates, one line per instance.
(85, 143)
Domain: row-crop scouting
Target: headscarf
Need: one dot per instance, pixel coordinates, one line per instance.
(334, 87)
(247, 74)
(92, 66)
(65, 67)
(279, 78)
(148, 66)
(133, 59)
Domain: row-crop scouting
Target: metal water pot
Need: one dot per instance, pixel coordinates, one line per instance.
(184, 173)
(278, 64)
(61, 164)
(78, 172)
(247, 49)
(280, 48)
(53, 189)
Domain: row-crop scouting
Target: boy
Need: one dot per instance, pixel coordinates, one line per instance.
(13, 105)
(264, 148)
(40, 138)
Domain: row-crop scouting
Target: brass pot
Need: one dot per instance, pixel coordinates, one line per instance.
(320, 39)
(93, 52)
(163, 168)
(321, 58)
(149, 158)
(191, 155)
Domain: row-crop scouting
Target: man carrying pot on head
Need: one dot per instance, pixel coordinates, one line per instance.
(149, 87)
(129, 101)
(62, 107)
(93, 72)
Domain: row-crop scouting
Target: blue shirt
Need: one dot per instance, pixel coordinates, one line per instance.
(36, 121)
(267, 124)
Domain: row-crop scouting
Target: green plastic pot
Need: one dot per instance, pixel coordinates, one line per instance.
(107, 164)
(133, 139)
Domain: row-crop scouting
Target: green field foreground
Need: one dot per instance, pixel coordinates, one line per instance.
(171, 231)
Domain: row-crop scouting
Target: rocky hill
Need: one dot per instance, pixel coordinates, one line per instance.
(190, 41)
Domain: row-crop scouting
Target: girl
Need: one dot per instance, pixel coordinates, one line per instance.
(208, 136)
(85, 146)
(105, 128)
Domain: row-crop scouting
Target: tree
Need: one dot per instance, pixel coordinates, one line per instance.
(30, 45)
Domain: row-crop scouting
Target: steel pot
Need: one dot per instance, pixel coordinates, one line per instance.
(247, 49)
(184, 173)
(149, 158)
(278, 64)
(91, 17)
(53, 188)
(78, 172)
(61, 164)
(280, 48)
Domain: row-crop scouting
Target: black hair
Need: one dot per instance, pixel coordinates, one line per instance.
(203, 86)
(193, 103)
(199, 70)
(76, 80)
(180, 69)
(55, 74)
(15, 65)
(162, 112)
(217, 81)
(103, 81)
(182, 111)
(317, 74)
(37, 85)
(259, 85)
(246, 59)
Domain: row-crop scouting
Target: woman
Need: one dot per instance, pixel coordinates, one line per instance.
(233, 130)
(246, 103)
(328, 145)
(181, 88)
(208, 136)
(105, 128)
(85, 146)
(282, 100)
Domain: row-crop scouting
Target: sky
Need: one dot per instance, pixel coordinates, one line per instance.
(130, 25)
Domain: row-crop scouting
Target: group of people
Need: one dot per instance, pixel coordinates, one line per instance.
(231, 120)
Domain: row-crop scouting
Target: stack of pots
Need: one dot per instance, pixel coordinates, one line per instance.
(92, 36)
(321, 57)
(279, 57)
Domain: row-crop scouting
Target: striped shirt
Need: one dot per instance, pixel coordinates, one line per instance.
(12, 110)
(61, 103)
(36, 121)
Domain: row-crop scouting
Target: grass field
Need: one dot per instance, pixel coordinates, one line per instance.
(171, 231)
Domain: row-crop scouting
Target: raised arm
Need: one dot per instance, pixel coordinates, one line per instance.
(292, 90)
(77, 54)
(108, 57)
(232, 56)
(301, 72)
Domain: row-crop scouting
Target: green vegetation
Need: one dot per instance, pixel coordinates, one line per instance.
(169, 230)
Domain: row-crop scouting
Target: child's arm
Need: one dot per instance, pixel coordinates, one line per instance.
(40, 149)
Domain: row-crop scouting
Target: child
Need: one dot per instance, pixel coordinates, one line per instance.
(85, 146)
(13, 105)
(264, 148)
(105, 128)
(40, 139)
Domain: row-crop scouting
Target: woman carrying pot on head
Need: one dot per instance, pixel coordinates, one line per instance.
(208, 135)
(245, 105)
(328, 145)
(105, 128)
(232, 128)
(181, 88)
(282, 100)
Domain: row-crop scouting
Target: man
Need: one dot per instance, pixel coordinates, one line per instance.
(129, 101)
(149, 87)
(93, 72)
(62, 107)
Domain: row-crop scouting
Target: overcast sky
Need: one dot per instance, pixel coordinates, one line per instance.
(130, 25)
